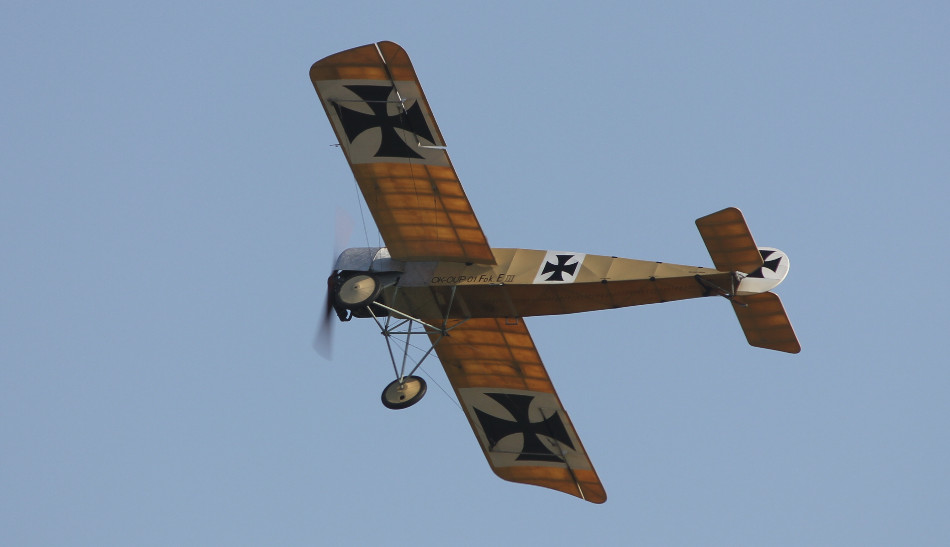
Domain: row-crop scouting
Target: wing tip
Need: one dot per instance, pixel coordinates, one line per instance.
(580, 483)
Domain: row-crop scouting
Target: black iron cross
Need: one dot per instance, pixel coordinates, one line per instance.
(533, 448)
(559, 268)
(376, 98)
(770, 264)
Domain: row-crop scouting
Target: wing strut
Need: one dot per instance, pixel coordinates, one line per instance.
(404, 326)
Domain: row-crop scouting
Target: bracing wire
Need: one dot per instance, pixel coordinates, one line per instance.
(359, 204)
(436, 382)
(442, 389)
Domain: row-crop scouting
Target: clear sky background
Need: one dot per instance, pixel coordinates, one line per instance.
(168, 184)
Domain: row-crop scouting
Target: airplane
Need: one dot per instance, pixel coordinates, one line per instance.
(437, 277)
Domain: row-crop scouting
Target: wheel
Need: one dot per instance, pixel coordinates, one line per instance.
(404, 394)
(357, 291)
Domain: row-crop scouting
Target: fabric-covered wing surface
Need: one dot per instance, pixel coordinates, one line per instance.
(380, 115)
(511, 404)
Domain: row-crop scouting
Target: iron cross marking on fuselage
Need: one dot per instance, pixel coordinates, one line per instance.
(560, 268)
(533, 448)
(376, 98)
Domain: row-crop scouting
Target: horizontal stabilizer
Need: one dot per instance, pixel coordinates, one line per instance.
(765, 323)
(729, 241)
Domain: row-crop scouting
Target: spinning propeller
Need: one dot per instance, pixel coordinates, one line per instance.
(323, 339)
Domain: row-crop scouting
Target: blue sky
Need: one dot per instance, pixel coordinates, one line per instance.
(168, 187)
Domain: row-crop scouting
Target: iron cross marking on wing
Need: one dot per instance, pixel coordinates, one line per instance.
(560, 268)
(533, 448)
(377, 98)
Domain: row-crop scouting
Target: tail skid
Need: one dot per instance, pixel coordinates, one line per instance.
(760, 313)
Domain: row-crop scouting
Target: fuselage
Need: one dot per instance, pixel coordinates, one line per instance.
(526, 282)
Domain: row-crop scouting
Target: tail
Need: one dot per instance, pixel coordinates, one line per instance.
(757, 271)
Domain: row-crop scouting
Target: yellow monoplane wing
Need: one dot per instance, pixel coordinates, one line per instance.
(510, 402)
(382, 119)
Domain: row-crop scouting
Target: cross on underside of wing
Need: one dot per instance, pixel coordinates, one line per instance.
(516, 415)
(381, 117)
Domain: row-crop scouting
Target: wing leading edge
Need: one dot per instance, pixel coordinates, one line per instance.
(516, 415)
(381, 117)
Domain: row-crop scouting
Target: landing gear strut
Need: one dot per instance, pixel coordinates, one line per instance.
(397, 328)
(361, 294)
